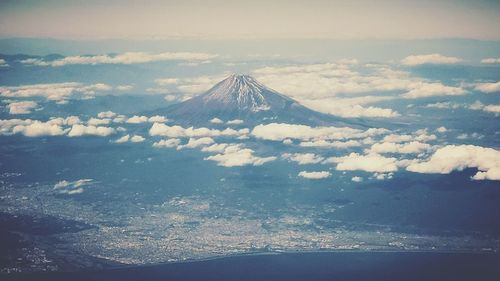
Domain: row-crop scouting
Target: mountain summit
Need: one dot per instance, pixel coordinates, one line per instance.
(243, 97)
(240, 92)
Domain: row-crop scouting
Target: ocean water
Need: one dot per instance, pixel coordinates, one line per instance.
(305, 266)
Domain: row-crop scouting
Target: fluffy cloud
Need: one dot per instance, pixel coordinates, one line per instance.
(490, 60)
(234, 122)
(159, 129)
(123, 139)
(157, 118)
(488, 87)
(357, 179)
(189, 85)
(167, 143)
(137, 138)
(106, 114)
(424, 90)
(28, 127)
(458, 157)
(344, 108)
(443, 105)
(81, 130)
(317, 81)
(55, 91)
(303, 158)
(315, 175)
(282, 131)
(329, 144)
(125, 58)
(124, 87)
(38, 128)
(21, 107)
(492, 108)
(137, 119)
(429, 59)
(72, 187)
(221, 147)
(195, 143)
(324, 87)
(441, 130)
(97, 121)
(216, 121)
(413, 147)
(368, 163)
(235, 156)
(3, 63)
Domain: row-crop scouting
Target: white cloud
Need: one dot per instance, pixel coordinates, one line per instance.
(216, 121)
(137, 138)
(429, 59)
(167, 143)
(160, 129)
(235, 156)
(81, 130)
(137, 119)
(441, 129)
(368, 163)
(106, 114)
(303, 158)
(357, 179)
(21, 107)
(317, 81)
(157, 118)
(492, 108)
(398, 138)
(424, 90)
(413, 147)
(221, 147)
(72, 187)
(197, 142)
(458, 157)
(38, 128)
(120, 119)
(3, 63)
(345, 108)
(282, 131)
(123, 139)
(490, 60)
(97, 121)
(187, 86)
(443, 105)
(383, 176)
(234, 122)
(55, 91)
(329, 144)
(488, 87)
(125, 58)
(124, 87)
(324, 87)
(315, 175)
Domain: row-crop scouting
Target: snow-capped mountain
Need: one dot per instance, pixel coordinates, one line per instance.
(243, 97)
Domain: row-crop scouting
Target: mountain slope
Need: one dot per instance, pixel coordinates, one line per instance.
(242, 97)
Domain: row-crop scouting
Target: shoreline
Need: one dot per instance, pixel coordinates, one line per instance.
(277, 253)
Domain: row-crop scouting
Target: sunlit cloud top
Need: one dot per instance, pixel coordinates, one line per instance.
(78, 19)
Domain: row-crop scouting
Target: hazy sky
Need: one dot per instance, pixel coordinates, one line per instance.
(388, 19)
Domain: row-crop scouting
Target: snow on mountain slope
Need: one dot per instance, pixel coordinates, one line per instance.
(243, 97)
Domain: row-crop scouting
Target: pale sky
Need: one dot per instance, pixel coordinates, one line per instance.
(364, 19)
